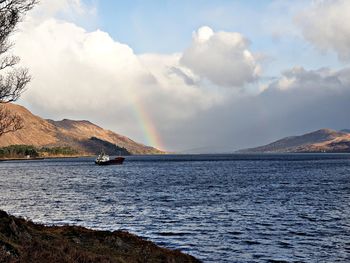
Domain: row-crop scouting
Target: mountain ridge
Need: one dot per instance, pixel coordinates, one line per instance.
(322, 140)
(77, 134)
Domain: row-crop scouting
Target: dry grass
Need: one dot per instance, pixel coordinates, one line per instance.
(23, 241)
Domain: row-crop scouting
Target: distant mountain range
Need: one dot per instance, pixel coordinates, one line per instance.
(324, 140)
(83, 136)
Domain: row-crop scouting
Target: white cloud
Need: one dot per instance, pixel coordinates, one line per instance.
(326, 24)
(76, 69)
(74, 11)
(80, 74)
(51, 7)
(221, 57)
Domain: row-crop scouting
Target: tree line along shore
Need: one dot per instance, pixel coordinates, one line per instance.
(32, 152)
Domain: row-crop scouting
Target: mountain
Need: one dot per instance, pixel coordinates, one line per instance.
(324, 140)
(83, 136)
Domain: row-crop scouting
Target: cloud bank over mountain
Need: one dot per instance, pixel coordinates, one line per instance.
(212, 93)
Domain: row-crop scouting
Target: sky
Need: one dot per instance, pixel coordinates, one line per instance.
(190, 76)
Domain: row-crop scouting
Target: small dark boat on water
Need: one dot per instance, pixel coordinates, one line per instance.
(103, 159)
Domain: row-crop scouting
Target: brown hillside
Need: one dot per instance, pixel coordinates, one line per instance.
(324, 140)
(76, 134)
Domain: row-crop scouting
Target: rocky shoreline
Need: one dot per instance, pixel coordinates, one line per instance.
(24, 241)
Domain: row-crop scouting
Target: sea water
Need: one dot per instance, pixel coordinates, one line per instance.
(218, 208)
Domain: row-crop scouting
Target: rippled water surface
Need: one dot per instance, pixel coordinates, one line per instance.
(219, 208)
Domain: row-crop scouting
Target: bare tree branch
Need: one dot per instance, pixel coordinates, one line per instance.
(11, 12)
(12, 80)
(8, 61)
(9, 122)
(12, 86)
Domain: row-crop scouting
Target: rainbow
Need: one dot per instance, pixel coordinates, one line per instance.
(151, 134)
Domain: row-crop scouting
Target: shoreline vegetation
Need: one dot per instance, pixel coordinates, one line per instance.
(43, 158)
(29, 152)
(24, 241)
(32, 153)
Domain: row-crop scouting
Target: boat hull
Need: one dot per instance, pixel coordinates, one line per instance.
(116, 161)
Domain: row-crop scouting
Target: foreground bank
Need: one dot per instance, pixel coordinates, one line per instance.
(23, 241)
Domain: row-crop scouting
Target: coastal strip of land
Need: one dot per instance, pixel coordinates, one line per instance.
(24, 241)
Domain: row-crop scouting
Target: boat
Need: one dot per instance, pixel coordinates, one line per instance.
(103, 159)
